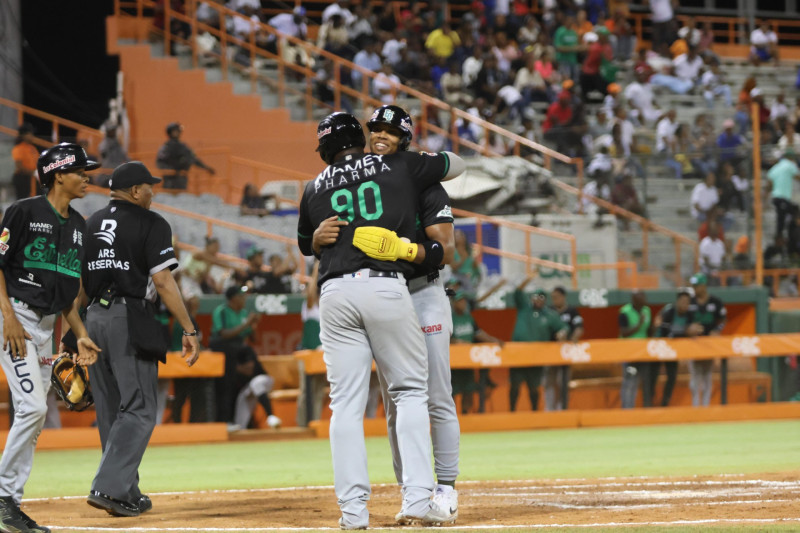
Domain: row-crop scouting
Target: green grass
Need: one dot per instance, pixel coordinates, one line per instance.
(676, 450)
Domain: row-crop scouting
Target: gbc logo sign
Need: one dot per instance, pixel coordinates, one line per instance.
(661, 350)
(271, 304)
(485, 355)
(746, 346)
(576, 353)
(593, 297)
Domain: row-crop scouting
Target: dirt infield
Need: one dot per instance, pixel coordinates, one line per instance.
(542, 504)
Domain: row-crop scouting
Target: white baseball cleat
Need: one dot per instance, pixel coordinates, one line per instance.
(447, 500)
(342, 525)
(436, 516)
(273, 421)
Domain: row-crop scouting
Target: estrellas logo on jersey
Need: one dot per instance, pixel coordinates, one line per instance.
(43, 255)
(349, 172)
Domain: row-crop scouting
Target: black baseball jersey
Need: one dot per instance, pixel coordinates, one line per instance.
(674, 325)
(41, 254)
(126, 244)
(267, 283)
(366, 190)
(572, 318)
(711, 315)
(433, 208)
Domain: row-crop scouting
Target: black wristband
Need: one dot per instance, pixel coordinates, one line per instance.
(434, 253)
(190, 333)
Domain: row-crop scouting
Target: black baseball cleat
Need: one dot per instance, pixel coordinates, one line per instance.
(113, 506)
(13, 520)
(145, 504)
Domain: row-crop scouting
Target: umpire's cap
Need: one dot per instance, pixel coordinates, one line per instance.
(336, 132)
(62, 157)
(129, 174)
(394, 116)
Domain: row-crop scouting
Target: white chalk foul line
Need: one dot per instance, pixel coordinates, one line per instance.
(740, 521)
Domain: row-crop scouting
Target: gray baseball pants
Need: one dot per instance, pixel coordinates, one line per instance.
(364, 317)
(125, 395)
(29, 382)
(436, 321)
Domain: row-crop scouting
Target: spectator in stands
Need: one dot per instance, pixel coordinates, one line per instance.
(688, 66)
(667, 141)
(779, 111)
(506, 52)
(453, 90)
(707, 41)
(472, 66)
(489, 79)
(528, 34)
(176, 158)
(666, 76)
(763, 44)
(711, 314)
(729, 194)
(309, 313)
(593, 78)
(245, 383)
(623, 32)
(712, 251)
(780, 182)
(361, 30)
(253, 203)
(729, 143)
(442, 42)
(624, 195)
(341, 8)
(25, 156)
(196, 276)
(717, 214)
(556, 378)
(713, 85)
(635, 322)
(112, 155)
(690, 33)
(768, 133)
(278, 280)
(567, 46)
(529, 80)
(639, 95)
(367, 58)
(535, 323)
(663, 21)
(675, 321)
(384, 85)
(334, 38)
(776, 255)
(465, 267)
(465, 330)
(556, 125)
(704, 197)
(596, 188)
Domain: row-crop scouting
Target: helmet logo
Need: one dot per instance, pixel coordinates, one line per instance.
(388, 114)
(375, 114)
(56, 164)
(323, 133)
(405, 123)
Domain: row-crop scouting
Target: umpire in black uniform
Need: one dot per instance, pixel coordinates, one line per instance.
(129, 258)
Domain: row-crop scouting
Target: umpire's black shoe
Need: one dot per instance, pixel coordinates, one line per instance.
(112, 506)
(145, 504)
(13, 520)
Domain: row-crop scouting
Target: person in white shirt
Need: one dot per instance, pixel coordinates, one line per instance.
(687, 66)
(393, 47)
(665, 133)
(704, 197)
(779, 109)
(763, 44)
(472, 66)
(690, 32)
(385, 84)
(713, 85)
(639, 95)
(367, 58)
(340, 7)
(712, 250)
(663, 21)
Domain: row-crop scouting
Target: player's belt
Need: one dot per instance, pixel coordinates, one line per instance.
(421, 282)
(116, 300)
(372, 274)
(39, 312)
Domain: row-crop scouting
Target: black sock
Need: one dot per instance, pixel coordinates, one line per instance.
(449, 483)
(265, 403)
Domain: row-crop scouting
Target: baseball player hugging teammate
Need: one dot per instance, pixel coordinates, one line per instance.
(391, 131)
(366, 309)
(41, 256)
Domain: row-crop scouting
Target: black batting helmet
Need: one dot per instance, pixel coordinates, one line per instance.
(397, 117)
(61, 158)
(336, 132)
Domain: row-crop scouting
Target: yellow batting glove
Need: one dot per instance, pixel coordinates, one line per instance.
(383, 244)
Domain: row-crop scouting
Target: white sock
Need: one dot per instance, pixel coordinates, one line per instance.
(443, 488)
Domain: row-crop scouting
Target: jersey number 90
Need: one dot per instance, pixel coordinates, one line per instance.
(342, 202)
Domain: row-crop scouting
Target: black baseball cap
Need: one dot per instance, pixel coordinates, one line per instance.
(129, 174)
(233, 290)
